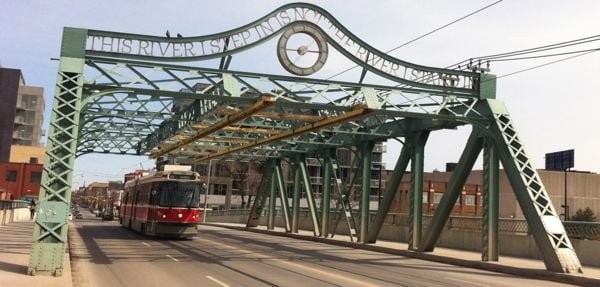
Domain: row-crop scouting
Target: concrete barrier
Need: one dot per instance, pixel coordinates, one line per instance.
(8, 216)
(517, 245)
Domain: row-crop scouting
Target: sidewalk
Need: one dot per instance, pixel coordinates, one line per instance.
(524, 267)
(15, 245)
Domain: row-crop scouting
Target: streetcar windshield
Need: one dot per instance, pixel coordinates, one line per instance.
(180, 194)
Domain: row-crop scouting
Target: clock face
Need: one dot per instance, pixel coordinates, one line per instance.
(302, 50)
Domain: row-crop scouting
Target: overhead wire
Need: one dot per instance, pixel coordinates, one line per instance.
(505, 56)
(423, 36)
(495, 57)
(547, 64)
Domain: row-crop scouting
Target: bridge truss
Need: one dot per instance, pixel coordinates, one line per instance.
(120, 93)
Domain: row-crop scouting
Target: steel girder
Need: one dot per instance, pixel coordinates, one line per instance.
(114, 101)
(218, 91)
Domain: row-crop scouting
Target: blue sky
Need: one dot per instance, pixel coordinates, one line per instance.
(555, 107)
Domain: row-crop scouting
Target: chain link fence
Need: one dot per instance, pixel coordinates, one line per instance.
(578, 230)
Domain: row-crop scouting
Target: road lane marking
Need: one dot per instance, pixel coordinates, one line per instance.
(217, 281)
(172, 258)
(468, 282)
(299, 266)
(147, 245)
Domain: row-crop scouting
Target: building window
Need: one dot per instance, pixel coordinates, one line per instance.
(437, 197)
(470, 200)
(425, 197)
(11, 175)
(35, 177)
(219, 189)
(29, 117)
(29, 101)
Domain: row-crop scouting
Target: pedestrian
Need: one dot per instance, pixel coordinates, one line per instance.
(32, 205)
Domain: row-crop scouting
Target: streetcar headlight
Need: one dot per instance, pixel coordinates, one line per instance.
(164, 216)
(180, 215)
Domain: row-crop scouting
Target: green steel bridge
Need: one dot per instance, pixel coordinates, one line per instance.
(119, 93)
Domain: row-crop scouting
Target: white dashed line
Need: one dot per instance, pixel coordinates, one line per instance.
(147, 245)
(172, 258)
(217, 281)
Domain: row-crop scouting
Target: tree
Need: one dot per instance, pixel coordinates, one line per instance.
(244, 174)
(584, 215)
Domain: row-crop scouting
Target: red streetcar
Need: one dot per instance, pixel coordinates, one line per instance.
(165, 204)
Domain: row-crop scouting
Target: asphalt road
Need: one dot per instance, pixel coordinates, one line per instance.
(106, 254)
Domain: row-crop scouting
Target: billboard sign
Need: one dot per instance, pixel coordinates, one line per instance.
(560, 160)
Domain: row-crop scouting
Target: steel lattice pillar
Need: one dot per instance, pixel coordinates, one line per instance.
(546, 227)
(51, 225)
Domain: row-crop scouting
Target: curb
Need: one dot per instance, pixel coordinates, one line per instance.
(494, 267)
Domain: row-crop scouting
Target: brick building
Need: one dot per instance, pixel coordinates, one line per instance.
(19, 180)
(582, 191)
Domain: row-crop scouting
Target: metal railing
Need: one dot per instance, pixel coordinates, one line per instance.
(575, 229)
(13, 204)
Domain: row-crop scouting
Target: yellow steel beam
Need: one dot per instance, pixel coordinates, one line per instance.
(275, 115)
(205, 147)
(357, 111)
(292, 117)
(188, 153)
(263, 103)
(243, 130)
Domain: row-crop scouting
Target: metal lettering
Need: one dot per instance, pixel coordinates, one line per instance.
(263, 29)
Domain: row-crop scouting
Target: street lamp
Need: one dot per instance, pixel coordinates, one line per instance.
(206, 191)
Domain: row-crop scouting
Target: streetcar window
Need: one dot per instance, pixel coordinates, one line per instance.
(180, 194)
(155, 193)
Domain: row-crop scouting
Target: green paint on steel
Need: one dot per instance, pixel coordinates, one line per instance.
(489, 250)
(416, 195)
(452, 192)
(366, 150)
(310, 198)
(73, 43)
(297, 194)
(51, 225)
(487, 86)
(390, 192)
(116, 102)
(272, 199)
(326, 202)
(283, 197)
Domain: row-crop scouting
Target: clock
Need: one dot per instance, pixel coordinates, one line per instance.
(302, 50)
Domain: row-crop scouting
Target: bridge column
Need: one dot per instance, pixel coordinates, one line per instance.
(415, 216)
(297, 194)
(452, 192)
(326, 202)
(51, 225)
(310, 198)
(272, 198)
(366, 150)
(390, 192)
(283, 197)
(489, 250)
